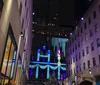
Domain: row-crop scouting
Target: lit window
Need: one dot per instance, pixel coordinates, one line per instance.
(86, 37)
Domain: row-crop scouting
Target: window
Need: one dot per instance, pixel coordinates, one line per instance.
(73, 49)
(78, 34)
(94, 14)
(1, 6)
(98, 42)
(9, 55)
(99, 59)
(99, 8)
(75, 37)
(79, 44)
(77, 69)
(92, 46)
(25, 2)
(96, 28)
(89, 20)
(94, 61)
(76, 58)
(86, 37)
(83, 53)
(85, 25)
(73, 59)
(80, 68)
(87, 50)
(20, 10)
(79, 55)
(81, 30)
(88, 63)
(82, 41)
(76, 47)
(84, 66)
(91, 33)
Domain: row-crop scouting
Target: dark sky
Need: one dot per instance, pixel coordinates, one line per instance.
(71, 10)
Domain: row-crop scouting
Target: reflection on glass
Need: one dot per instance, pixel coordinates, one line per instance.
(6, 82)
(6, 54)
(13, 63)
(10, 60)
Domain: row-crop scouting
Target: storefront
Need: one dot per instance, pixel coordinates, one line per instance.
(9, 58)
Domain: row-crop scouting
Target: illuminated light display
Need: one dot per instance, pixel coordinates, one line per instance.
(59, 58)
(48, 65)
(44, 48)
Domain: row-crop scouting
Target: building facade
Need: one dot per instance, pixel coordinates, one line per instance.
(12, 39)
(84, 47)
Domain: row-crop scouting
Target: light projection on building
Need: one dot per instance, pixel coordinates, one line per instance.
(47, 65)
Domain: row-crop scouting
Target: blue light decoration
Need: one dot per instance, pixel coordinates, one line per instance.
(48, 65)
(31, 73)
(44, 48)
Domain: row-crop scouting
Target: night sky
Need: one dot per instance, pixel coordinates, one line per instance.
(71, 10)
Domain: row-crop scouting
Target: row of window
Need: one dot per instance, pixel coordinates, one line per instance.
(79, 69)
(85, 25)
(77, 57)
(87, 48)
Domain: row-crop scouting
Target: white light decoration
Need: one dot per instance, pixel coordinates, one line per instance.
(82, 18)
(33, 13)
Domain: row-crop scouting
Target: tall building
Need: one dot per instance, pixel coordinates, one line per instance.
(83, 60)
(15, 39)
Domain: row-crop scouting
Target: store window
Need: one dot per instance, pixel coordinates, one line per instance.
(8, 62)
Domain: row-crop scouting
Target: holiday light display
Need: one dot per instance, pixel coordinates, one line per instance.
(48, 65)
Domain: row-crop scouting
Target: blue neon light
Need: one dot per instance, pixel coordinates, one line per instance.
(48, 51)
(38, 50)
(47, 65)
(44, 48)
